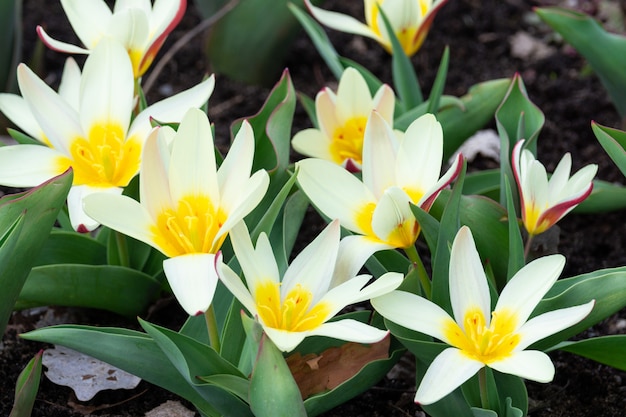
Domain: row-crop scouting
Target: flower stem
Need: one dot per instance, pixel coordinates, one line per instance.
(411, 252)
(482, 382)
(122, 249)
(211, 325)
(527, 246)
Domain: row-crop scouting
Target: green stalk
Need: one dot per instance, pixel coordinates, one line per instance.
(211, 325)
(527, 246)
(122, 249)
(482, 383)
(411, 252)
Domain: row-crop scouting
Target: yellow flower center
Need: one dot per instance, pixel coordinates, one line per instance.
(190, 228)
(482, 343)
(105, 158)
(347, 140)
(531, 220)
(404, 234)
(294, 313)
(405, 35)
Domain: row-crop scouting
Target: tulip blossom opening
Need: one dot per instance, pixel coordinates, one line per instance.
(476, 335)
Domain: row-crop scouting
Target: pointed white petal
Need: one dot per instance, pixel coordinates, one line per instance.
(234, 172)
(69, 88)
(341, 22)
(353, 96)
(449, 370)
(16, 109)
(284, 340)
(79, 219)
(192, 170)
(350, 331)
(354, 251)
(559, 178)
(154, 188)
(431, 195)
(550, 323)
(193, 280)
(468, 283)
(58, 120)
(121, 213)
(393, 221)
(130, 28)
(355, 290)
(528, 286)
(345, 200)
(381, 286)
(30, 165)
(527, 364)
(235, 285)
(311, 142)
(325, 109)
(107, 87)
(384, 103)
(413, 312)
(379, 155)
(58, 45)
(172, 109)
(420, 155)
(89, 19)
(313, 267)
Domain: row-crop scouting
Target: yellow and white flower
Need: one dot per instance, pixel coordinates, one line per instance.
(545, 201)
(342, 118)
(410, 20)
(302, 303)
(138, 24)
(477, 336)
(187, 205)
(398, 169)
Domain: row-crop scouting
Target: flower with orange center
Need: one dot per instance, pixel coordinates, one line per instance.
(410, 20)
(342, 118)
(545, 201)
(139, 25)
(398, 170)
(88, 128)
(301, 304)
(187, 205)
(477, 336)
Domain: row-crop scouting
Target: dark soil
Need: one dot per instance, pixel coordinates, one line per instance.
(479, 34)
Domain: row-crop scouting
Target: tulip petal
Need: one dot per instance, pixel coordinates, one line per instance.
(69, 88)
(384, 102)
(393, 221)
(551, 322)
(468, 283)
(154, 188)
(431, 195)
(413, 312)
(234, 284)
(16, 109)
(341, 22)
(30, 165)
(312, 143)
(527, 364)
(79, 219)
(325, 109)
(285, 340)
(353, 96)
(193, 280)
(58, 45)
(121, 213)
(380, 147)
(528, 286)
(251, 194)
(346, 200)
(89, 19)
(234, 172)
(354, 251)
(351, 331)
(448, 371)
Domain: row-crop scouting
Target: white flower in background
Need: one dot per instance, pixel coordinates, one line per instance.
(138, 24)
(301, 304)
(188, 206)
(410, 20)
(398, 169)
(545, 201)
(93, 134)
(342, 118)
(477, 336)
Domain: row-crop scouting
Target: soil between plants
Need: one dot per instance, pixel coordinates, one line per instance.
(480, 35)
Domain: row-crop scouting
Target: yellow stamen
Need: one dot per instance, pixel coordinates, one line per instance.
(347, 140)
(105, 158)
(190, 228)
(294, 313)
(482, 343)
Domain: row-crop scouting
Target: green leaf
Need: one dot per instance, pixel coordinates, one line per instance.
(614, 143)
(516, 118)
(516, 246)
(284, 237)
(22, 138)
(607, 287)
(605, 197)
(273, 391)
(606, 52)
(10, 42)
(63, 247)
(26, 220)
(609, 350)
(133, 351)
(405, 80)
(479, 106)
(486, 183)
(114, 288)
(320, 40)
(440, 81)
(27, 387)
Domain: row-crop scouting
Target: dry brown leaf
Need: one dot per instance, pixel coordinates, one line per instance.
(318, 373)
